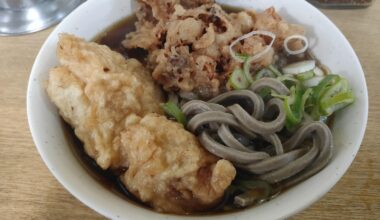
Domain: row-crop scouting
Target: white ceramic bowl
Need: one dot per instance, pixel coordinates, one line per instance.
(328, 44)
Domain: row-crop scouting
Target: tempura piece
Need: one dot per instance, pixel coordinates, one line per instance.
(112, 103)
(188, 42)
(169, 169)
(95, 89)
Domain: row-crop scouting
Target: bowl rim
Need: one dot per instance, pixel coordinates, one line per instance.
(101, 210)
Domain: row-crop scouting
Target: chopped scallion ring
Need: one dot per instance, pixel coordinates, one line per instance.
(296, 37)
(257, 56)
(318, 71)
(299, 67)
(274, 70)
(247, 72)
(306, 75)
(336, 103)
(174, 111)
(238, 80)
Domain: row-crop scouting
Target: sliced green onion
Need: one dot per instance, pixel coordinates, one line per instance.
(318, 90)
(264, 73)
(305, 98)
(261, 74)
(288, 80)
(331, 94)
(242, 56)
(291, 119)
(295, 106)
(306, 75)
(340, 86)
(292, 94)
(265, 92)
(313, 81)
(339, 101)
(297, 102)
(318, 71)
(256, 191)
(274, 70)
(238, 80)
(298, 37)
(275, 95)
(257, 56)
(173, 110)
(270, 71)
(299, 67)
(247, 72)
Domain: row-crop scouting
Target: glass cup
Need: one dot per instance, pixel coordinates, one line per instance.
(26, 16)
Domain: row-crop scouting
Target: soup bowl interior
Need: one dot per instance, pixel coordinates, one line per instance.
(93, 17)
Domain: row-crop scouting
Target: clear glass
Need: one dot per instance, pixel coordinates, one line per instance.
(16, 4)
(342, 3)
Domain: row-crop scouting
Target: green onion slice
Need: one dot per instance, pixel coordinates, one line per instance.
(238, 80)
(247, 72)
(306, 75)
(339, 101)
(320, 88)
(173, 110)
(264, 73)
(340, 86)
(255, 191)
(295, 106)
(275, 70)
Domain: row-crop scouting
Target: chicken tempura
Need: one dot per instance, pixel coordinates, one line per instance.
(95, 89)
(113, 105)
(169, 169)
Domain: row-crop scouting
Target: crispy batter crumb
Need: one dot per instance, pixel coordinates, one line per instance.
(188, 42)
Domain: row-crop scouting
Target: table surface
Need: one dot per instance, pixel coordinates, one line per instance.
(29, 191)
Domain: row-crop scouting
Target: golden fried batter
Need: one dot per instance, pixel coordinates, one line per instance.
(95, 89)
(112, 103)
(169, 169)
(188, 42)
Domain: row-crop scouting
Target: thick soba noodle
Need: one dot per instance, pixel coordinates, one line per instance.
(229, 125)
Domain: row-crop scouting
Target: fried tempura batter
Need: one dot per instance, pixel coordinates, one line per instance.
(111, 104)
(169, 169)
(95, 89)
(188, 42)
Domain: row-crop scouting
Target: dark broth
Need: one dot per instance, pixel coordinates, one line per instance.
(114, 36)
